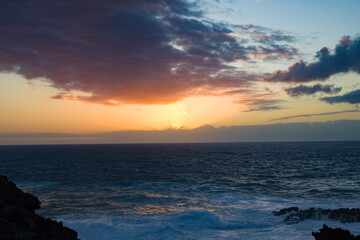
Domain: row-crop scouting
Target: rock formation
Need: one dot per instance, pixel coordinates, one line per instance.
(18, 220)
(327, 233)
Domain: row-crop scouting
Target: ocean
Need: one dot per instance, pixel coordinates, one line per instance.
(187, 191)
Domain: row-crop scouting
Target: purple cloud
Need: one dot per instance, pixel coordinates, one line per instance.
(123, 51)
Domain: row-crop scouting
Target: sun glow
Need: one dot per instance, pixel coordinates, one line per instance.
(61, 115)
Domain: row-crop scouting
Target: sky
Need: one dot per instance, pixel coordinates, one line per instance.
(82, 68)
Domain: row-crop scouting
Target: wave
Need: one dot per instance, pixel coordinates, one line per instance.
(193, 224)
(249, 224)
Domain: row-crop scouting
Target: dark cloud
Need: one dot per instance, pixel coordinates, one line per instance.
(123, 51)
(350, 97)
(309, 90)
(315, 114)
(345, 58)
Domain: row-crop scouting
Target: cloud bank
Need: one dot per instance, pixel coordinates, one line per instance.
(115, 52)
(342, 130)
(345, 58)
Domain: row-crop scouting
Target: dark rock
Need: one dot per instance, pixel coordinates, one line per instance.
(10, 194)
(285, 211)
(327, 233)
(295, 215)
(18, 220)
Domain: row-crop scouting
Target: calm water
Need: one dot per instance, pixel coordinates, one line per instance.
(187, 191)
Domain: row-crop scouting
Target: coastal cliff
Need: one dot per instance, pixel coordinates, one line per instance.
(18, 220)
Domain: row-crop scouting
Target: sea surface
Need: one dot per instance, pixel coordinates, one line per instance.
(187, 191)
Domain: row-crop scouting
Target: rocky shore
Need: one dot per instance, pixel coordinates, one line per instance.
(294, 215)
(18, 220)
(327, 233)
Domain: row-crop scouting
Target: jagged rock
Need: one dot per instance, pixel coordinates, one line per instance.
(10, 194)
(344, 215)
(327, 233)
(18, 220)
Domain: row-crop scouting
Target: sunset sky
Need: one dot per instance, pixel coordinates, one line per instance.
(86, 66)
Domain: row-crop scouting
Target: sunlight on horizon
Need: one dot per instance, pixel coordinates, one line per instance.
(32, 110)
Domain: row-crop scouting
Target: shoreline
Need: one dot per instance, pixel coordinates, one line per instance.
(27, 223)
